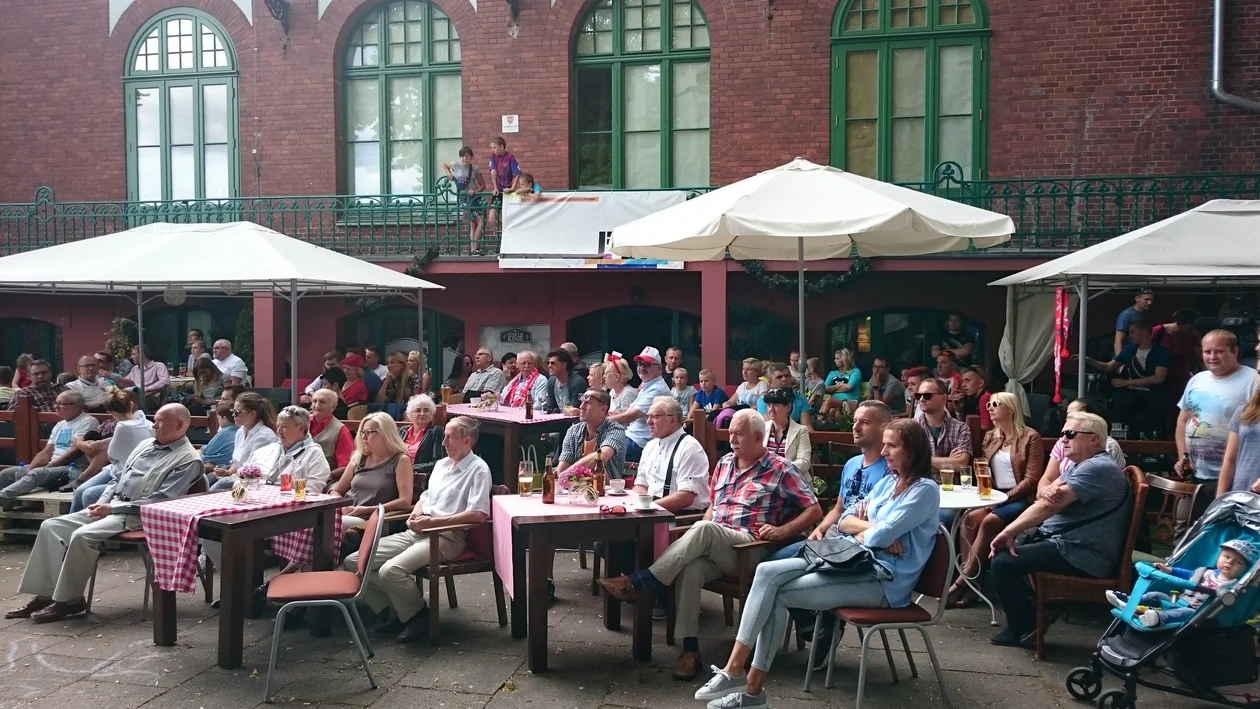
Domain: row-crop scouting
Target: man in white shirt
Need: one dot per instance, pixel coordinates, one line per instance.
(373, 356)
(232, 368)
(487, 377)
(1210, 400)
(91, 387)
(674, 469)
(50, 468)
(458, 493)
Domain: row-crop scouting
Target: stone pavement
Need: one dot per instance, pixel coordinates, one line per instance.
(107, 660)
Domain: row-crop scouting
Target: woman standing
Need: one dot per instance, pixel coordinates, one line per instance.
(785, 437)
(617, 378)
(422, 438)
(897, 522)
(1015, 454)
(379, 471)
(256, 440)
(421, 380)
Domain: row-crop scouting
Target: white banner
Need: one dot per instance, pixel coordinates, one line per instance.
(574, 224)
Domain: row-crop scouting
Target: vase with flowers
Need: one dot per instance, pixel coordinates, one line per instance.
(248, 479)
(579, 480)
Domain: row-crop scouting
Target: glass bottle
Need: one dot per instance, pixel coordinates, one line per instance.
(529, 405)
(549, 483)
(601, 476)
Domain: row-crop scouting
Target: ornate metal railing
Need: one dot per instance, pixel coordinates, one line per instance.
(1051, 215)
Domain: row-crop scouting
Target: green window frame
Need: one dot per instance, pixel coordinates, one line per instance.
(402, 99)
(641, 96)
(909, 88)
(180, 92)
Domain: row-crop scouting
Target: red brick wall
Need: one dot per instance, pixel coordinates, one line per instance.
(1109, 87)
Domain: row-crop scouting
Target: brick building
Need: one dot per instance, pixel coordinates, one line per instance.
(155, 109)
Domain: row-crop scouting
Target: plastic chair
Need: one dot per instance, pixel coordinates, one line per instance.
(934, 581)
(339, 589)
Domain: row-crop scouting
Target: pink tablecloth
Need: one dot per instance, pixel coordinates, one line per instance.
(505, 414)
(505, 507)
(171, 531)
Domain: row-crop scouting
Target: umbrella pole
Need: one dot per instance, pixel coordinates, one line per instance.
(140, 342)
(420, 333)
(800, 311)
(1084, 335)
(293, 346)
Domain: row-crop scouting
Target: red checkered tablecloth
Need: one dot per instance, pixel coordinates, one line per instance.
(171, 531)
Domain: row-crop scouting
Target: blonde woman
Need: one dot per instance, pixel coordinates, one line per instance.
(746, 394)
(595, 377)
(396, 389)
(1240, 469)
(617, 378)
(1016, 462)
(843, 385)
(421, 380)
(379, 471)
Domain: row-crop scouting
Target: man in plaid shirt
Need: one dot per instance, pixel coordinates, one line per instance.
(756, 496)
(951, 438)
(42, 392)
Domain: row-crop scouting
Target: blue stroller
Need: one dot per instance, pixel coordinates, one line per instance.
(1215, 647)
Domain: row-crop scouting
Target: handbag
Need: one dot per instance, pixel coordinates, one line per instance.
(838, 555)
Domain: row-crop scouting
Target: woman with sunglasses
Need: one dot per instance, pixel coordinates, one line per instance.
(785, 437)
(1015, 454)
(897, 522)
(256, 440)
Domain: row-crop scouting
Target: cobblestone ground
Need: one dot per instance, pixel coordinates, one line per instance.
(108, 661)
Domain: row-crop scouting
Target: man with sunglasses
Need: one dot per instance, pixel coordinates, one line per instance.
(1080, 523)
(564, 387)
(634, 418)
(951, 438)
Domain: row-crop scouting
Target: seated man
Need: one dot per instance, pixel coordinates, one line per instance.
(1082, 518)
(886, 388)
(756, 496)
(90, 386)
(528, 383)
(50, 468)
(781, 378)
(564, 388)
(950, 438)
(674, 469)
(232, 368)
(331, 359)
(486, 376)
(329, 433)
(66, 549)
(975, 397)
(42, 393)
(458, 493)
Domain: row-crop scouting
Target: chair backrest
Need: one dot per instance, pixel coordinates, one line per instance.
(371, 536)
(938, 572)
(1138, 486)
(198, 485)
(1178, 504)
(357, 412)
(480, 539)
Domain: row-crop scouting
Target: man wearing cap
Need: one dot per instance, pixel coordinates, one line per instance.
(634, 418)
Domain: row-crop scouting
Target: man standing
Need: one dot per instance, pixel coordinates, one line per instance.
(564, 388)
(458, 493)
(756, 496)
(42, 392)
(1138, 392)
(1141, 303)
(91, 387)
(1209, 402)
(673, 360)
(50, 468)
(503, 171)
(781, 378)
(886, 388)
(951, 438)
(66, 548)
(485, 377)
(579, 367)
(957, 340)
(231, 367)
(634, 418)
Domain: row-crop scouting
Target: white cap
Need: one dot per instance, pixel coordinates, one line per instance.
(649, 355)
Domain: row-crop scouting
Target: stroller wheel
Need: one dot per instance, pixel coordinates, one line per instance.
(1115, 699)
(1084, 683)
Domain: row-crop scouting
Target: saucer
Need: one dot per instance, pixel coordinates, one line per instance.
(610, 493)
(643, 509)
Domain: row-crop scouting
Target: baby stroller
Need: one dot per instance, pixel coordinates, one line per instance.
(1214, 648)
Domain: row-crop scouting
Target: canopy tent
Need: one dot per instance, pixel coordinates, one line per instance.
(812, 212)
(161, 257)
(1216, 243)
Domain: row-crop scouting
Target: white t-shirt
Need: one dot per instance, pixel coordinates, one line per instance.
(624, 400)
(1210, 403)
(381, 371)
(93, 393)
(749, 395)
(64, 433)
(691, 468)
(249, 447)
(458, 487)
(128, 435)
(1003, 472)
(233, 366)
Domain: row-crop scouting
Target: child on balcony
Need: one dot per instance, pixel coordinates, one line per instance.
(1237, 555)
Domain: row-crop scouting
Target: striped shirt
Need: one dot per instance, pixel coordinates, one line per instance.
(771, 492)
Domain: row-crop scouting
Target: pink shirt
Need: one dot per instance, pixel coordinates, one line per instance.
(155, 376)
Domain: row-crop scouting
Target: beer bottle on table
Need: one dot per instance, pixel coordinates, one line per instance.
(549, 483)
(601, 476)
(529, 405)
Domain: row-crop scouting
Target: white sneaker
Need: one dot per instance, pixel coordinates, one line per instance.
(1151, 619)
(740, 700)
(720, 685)
(1117, 599)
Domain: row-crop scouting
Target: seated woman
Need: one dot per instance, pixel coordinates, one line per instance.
(1014, 453)
(461, 369)
(422, 438)
(255, 442)
(617, 377)
(207, 386)
(897, 522)
(746, 394)
(354, 391)
(785, 437)
(595, 377)
(130, 428)
(396, 389)
(421, 380)
(218, 452)
(379, 472)
(843, 386)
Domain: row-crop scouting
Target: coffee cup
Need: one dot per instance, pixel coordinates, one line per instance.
(644, 502)
(618, 487)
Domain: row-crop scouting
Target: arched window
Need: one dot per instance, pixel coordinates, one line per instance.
(909, 83)
(641, 103)
(402, 99)
(181, 110)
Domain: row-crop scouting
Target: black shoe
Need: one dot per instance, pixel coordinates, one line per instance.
(551, 593)
(295, 618)
(417, 628)
(391, 627)
(1008, 638)
(820, 647)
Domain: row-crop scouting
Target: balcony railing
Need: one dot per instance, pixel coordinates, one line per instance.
(1051, 215)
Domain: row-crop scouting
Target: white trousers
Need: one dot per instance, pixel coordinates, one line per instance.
(392, 572)
(65, 554)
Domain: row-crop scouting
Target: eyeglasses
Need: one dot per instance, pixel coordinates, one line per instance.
(657, 417)
(367, 432)
(925, 395)
(552, 363)
(238, 412)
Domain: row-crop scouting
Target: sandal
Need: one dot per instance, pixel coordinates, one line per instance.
(961, 597)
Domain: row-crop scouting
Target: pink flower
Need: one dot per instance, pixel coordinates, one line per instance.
(249, 472)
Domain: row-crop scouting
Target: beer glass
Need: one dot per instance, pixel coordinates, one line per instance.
(299, 485)
(985, 483)
(525, 479)
(947, 479)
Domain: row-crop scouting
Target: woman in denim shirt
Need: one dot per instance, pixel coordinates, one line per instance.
(218, 452)
(897, 521)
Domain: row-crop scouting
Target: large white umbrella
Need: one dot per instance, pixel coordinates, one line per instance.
(812, 212)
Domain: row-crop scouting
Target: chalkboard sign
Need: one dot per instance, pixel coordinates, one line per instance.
(516, 336)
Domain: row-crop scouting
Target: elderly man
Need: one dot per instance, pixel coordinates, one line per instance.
(579, 367)
(50, 468)
(1081, 520)
(485, 376)
(458, 493)
(1207, 406)
(564, 387)
(331, 359)
(950, 438)
(529, 382)
(91, 387)
(781, 378)
(42, 393)
(634, 418)
(332, 437)
(231, 367)
(66, 549)
(674, 469)
(757, 496)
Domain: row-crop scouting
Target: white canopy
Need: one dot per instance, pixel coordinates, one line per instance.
(236, 256)
(828, 210)
(1216, 241)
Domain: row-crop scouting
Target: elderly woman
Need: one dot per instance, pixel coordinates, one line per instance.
(354, 391)
(1015, 454)
(422, 438)
(785, 437)
(329, 433)
(421, 380)
(897, 522)
(529, 382)
(617, 376)
(396, 389)
(254, 439)
(379, 472)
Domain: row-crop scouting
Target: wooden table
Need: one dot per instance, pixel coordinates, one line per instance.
(511, 424)
(528, 582)
(242, 535)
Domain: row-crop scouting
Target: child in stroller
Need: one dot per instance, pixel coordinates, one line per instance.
(1158, 609)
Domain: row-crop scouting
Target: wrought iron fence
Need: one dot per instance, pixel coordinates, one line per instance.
(1051, 215)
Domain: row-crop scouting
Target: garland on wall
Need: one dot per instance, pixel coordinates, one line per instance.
(419, 262)
(813, 288)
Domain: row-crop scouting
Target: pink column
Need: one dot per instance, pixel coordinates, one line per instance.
(713, 318)
(268, 352)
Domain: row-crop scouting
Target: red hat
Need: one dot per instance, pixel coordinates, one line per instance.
(353, 360)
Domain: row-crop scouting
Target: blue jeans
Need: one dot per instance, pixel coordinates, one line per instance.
(1171, 614)
(803, 617)
(785, 583)
(89, 492)
(633, 451)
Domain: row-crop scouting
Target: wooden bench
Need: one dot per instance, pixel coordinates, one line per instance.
(31, 510)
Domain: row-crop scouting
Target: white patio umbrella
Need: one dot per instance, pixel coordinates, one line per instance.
(812, 212)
